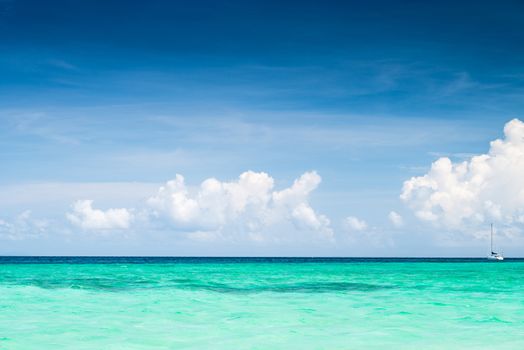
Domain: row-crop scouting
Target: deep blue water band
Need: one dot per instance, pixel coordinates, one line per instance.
(224, 260)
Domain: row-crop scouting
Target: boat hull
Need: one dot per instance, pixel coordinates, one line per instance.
(495, 258)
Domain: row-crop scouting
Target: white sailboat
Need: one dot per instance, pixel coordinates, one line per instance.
(494, 255)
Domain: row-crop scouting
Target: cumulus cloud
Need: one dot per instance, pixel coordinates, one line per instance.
(249, 203)
(486, 187)
(353, 223)
(89, 218)
(23, 226)
(395, 219)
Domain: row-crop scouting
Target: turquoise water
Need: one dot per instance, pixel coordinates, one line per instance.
(113, 303)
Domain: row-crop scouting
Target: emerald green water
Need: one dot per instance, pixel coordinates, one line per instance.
(260, 304)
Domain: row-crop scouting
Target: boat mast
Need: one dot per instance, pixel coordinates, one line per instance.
(491, 238)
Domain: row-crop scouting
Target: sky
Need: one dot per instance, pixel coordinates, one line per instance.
(261, 128)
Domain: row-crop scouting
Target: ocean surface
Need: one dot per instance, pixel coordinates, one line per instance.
(260, 303)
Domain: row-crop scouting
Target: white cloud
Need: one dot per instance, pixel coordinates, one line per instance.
(23, 226)
(487, 187)
(395, 219)
(249, 204)
(305, 216)
(355, 224)
(88, 218)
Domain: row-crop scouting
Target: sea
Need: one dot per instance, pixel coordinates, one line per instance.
(260, 303)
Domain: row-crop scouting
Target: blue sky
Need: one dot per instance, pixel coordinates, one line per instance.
(109, 100)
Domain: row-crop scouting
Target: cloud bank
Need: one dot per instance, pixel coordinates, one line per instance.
(88, 218)
(248, 204)
(487, 187)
